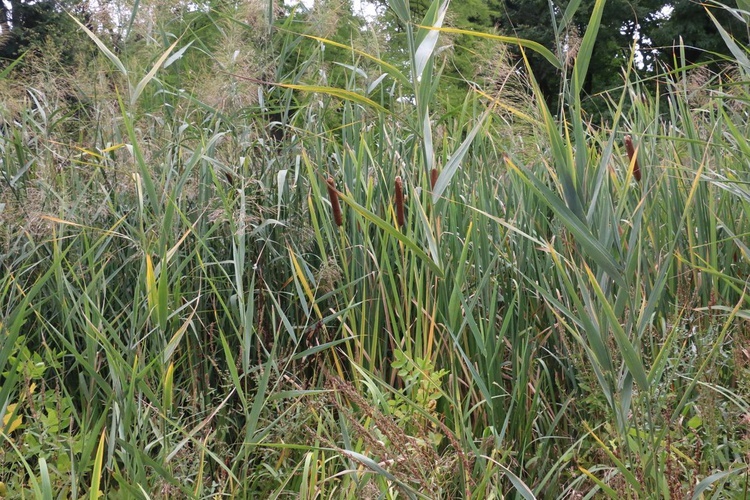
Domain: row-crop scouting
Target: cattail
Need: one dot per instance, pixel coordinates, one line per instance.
(334, 196)
(433, 177)
(399, 201)
(631, 153)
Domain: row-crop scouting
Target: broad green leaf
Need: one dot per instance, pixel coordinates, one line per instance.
(628, 351)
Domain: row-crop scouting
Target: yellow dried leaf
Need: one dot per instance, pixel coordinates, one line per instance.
(11, 425)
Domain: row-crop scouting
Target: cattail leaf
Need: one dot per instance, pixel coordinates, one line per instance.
(163, 296)
(280, 186)
(456, 158)
(583, 59)
(168, 389)
(300, 278)
(627, 349)
(151, 289)
(177, 337)
(589, 244)
(392, 231)
(739, 54)
(96, 473)
(429, 152)
(562, 150)
(429, 231)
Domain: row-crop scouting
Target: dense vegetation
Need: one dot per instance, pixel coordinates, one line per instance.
(249, 251)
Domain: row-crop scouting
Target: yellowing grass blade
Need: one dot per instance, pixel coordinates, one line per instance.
(303, 281)
(96, 474)
(391, 69)
(150, 75)
(151, 289)
(531, 45)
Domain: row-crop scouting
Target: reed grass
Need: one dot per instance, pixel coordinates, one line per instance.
(187, 313)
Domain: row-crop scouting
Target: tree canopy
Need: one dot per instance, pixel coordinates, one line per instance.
(656, 25)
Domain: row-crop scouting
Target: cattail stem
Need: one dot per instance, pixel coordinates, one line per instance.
(631, 153)
(334, 197)
(433, 177)
(400, 201)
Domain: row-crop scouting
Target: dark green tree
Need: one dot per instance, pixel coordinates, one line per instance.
(25, 24)
(622, 21)
(689, 22)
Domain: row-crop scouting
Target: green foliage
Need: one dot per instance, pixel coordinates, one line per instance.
(39, 25)
(183, 317)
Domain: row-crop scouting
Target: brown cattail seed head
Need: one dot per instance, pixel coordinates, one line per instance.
(334, 197)
(400, 201)
(631, 153)
(433, 177)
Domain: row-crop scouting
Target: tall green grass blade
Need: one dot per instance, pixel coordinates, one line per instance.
(583, 59)
(709, 481)
(457, 157)
(151, 74)
(740, 54)
(589, 244)
(392, 232)
(105, 50)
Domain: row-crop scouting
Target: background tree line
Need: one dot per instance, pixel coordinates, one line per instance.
(658, 25)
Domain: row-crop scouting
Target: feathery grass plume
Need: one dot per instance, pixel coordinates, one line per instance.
(433, 177)
(399, 201)
(631, 152)
(334, 196)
